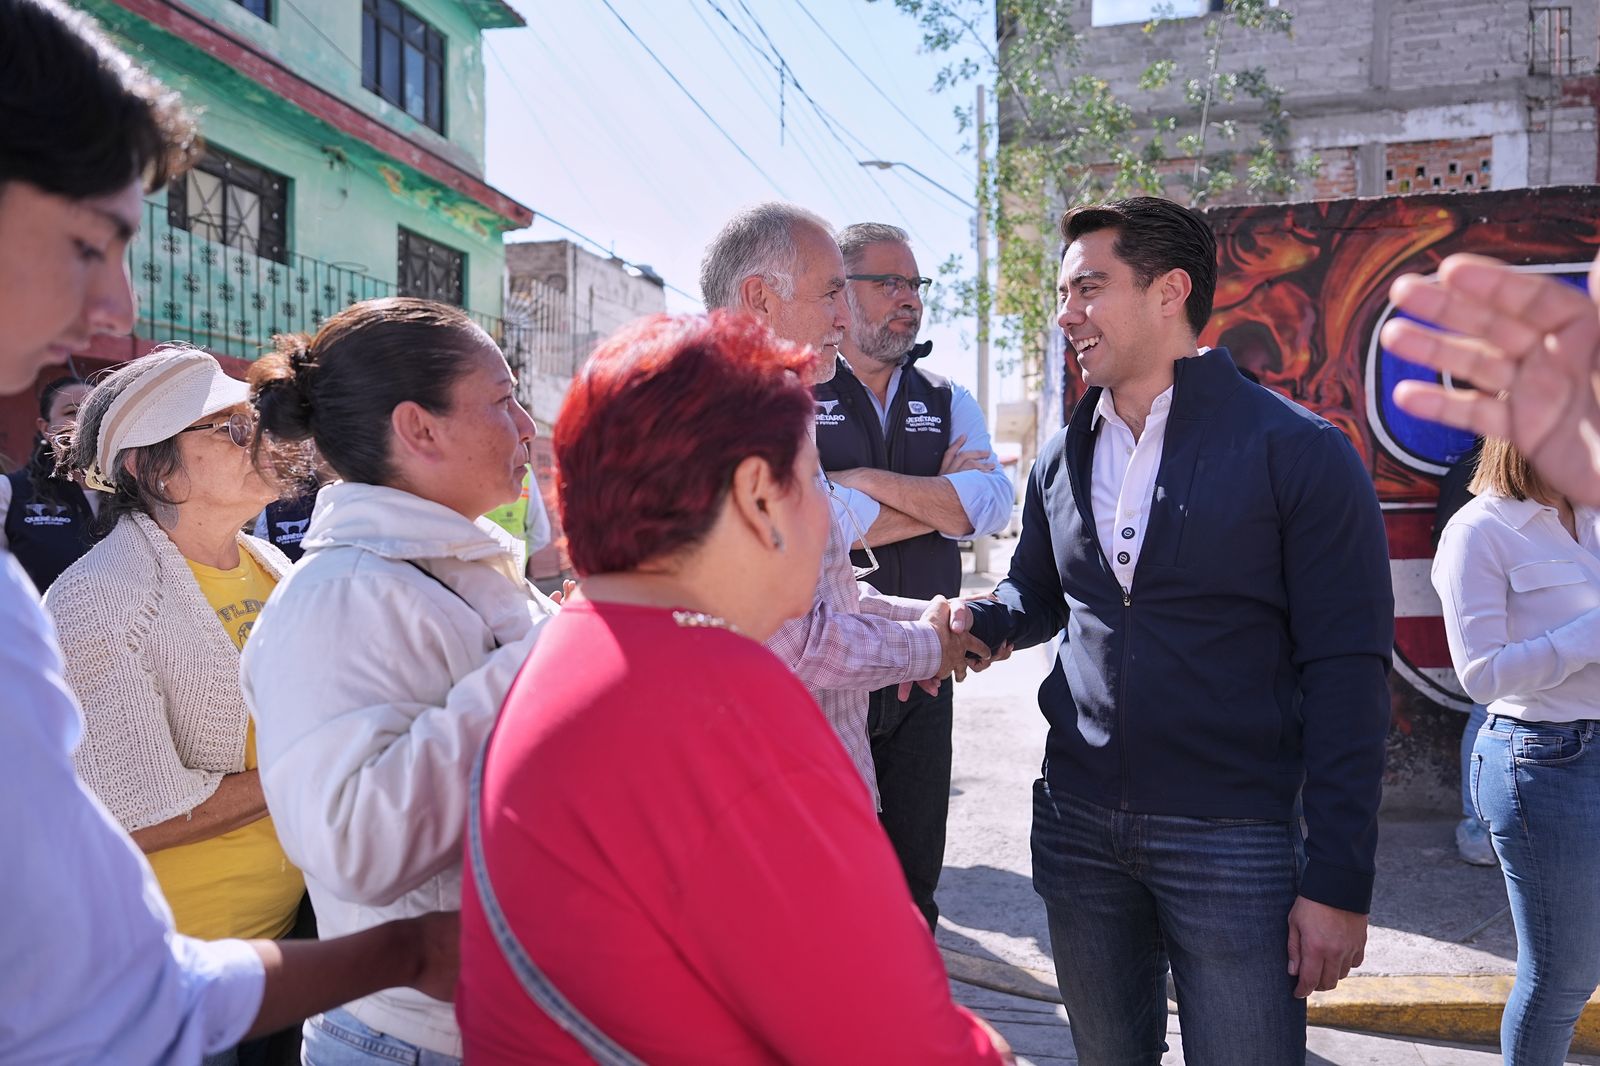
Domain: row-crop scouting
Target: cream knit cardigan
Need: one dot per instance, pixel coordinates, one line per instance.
(155, 671)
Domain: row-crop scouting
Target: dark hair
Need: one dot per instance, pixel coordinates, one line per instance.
(81, 118)
(655, 424)
(340, 387)
(1153, 237)
(47, 485)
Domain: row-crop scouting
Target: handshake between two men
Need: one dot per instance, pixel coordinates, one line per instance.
(962, 651)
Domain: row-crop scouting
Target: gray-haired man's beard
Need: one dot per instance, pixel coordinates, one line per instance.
(882, 344)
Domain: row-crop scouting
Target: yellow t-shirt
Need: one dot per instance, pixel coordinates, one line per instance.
(239, 884)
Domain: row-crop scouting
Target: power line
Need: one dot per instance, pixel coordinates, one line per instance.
(812, 157)
(337, 47)
(533, 116)
(887, 98)
(692, 99)
(829, 124)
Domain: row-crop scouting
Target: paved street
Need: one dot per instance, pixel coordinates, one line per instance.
(989, 909)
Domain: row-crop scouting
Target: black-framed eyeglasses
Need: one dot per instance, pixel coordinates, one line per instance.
(895, 284)
(239, 426)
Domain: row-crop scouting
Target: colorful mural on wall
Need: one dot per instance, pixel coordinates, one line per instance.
(1302, 291)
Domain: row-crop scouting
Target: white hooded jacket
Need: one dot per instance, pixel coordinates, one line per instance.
(374, 673)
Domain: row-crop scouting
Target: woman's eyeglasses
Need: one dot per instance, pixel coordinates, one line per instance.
(860, 537)
(239, 426)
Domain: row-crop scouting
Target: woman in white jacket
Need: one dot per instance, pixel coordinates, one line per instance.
(378, 666)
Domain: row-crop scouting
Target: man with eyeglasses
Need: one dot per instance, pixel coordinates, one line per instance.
(780, 263)
(910, 453)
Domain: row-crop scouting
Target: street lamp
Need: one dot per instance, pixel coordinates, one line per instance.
(884, 164)
(980, 545)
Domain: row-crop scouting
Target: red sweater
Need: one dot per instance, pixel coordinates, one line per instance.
(681, 844)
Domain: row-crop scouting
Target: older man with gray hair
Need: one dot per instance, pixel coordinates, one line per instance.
(780, 263)
(909, 451)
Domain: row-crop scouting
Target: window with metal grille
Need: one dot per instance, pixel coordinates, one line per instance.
(430, 270)
(261, 9)
(1550, 41)
(233, 202)
(402, 60)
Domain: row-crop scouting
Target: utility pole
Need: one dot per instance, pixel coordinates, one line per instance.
(980, 545)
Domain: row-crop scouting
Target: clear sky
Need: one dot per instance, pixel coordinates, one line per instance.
(585, 127)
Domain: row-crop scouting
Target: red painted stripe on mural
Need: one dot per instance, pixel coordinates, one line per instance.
(1422, 641)
(245, 58)
(1410, 534)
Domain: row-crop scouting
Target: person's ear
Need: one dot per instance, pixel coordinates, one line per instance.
(1175, 287)
(43, 427)
(753, 498)
(755, 296)
(414, 430)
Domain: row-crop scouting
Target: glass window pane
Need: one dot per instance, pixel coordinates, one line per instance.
(205, 205)
(389, 67)
(244, 219)
(369, 50)
(416, 31)
(435, 117)
(416, 84)
(389, 12)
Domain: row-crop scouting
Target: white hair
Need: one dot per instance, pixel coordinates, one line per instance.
(758, 241)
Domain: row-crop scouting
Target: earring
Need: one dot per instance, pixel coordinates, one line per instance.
(777, 540)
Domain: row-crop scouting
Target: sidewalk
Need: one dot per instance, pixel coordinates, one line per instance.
(1441, 948)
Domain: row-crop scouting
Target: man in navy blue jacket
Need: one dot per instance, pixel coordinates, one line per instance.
(1217, 559)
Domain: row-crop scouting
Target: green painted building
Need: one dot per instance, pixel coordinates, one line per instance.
(345, 147)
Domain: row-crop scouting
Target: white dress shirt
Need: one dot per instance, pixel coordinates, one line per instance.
(90, 968)
(986, 496)
(1123, 480)
(1521, 605)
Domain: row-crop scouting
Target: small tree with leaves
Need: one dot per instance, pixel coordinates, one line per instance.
(1067, 137)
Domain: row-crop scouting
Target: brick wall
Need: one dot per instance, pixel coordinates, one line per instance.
(1438, 166)
(1336, 179)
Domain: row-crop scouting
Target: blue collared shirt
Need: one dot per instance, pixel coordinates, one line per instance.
(91, 970)
(986, 496)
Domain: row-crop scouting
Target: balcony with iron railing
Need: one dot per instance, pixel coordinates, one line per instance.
(232, 302)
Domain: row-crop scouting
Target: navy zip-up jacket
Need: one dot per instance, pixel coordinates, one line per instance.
(1247, 664)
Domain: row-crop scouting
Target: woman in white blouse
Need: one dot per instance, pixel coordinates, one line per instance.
(1518, 572)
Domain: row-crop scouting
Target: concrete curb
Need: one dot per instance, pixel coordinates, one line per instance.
(1460, 1008)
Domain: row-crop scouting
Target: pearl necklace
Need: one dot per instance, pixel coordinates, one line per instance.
(699, 620)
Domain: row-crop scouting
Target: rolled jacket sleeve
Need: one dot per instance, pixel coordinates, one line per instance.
(986, 496)
(853, 504)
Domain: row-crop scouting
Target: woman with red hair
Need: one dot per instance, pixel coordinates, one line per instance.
(669, 851)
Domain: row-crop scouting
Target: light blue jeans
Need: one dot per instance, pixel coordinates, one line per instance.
(1537, 784)
(1128, 893)
(338, 1038)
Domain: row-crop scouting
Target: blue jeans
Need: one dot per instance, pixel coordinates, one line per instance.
(338, 1038)
(1537, 784)
(1128, 893)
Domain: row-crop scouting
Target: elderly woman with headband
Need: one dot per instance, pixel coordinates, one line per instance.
(152, 621)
